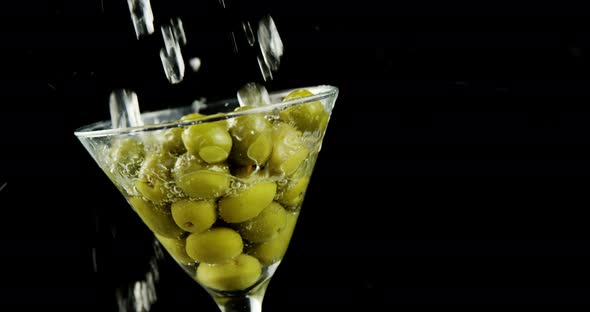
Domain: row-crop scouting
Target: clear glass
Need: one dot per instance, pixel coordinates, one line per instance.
(221, 191)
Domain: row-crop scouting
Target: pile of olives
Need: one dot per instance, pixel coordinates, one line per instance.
(223, 197)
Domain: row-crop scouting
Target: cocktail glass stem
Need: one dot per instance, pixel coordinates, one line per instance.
(247, 302)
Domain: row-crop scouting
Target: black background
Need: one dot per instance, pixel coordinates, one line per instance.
(455, 168)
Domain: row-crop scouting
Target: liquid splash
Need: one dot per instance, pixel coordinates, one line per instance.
(253, 94)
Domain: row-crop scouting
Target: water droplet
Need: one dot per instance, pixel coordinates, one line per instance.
(142, 17)
(113, 231)
(232, 36)
(170, 42)
(199, 105)
(253, 94)
(249, 33)
(264, 69)
(178, 29)
(195, 64)
(171, 55)
(124, 108)
(94, 262)
(173, 65)
(270, 42)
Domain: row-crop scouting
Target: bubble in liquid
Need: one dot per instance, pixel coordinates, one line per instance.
(142, 17)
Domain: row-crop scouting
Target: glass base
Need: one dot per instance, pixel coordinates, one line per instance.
(250, 301)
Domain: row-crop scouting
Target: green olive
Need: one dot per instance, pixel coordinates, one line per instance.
(288, 150)
(156, 166)
(247, 204)
(215, 246)
(193, 116)
(176, 247)
(194, 216)
(294, 192)
(307, 116)
(187, 163)
(252, 139)
(204, 184)
(237, 274)
(155, 192)
(209, 140)
(297, 94)
(157, 219)
(127, 155)
(250, 174)
(274, 250)
(154, 177)
(172, 141)
(266, 225)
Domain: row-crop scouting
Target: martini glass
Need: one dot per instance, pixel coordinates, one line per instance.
(221, 188)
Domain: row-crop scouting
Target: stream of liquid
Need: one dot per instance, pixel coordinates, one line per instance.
(125, 110)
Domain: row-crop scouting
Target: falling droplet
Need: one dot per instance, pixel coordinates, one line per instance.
(120, 301)
(171, 55)
(151, 295)
(199, 105)
(169, 40)
(249, 33)
(178, 29)
(142, 17)
(264, 69)
(234, 42)
(124, 108)
(138, 295)
(113, 231)
(253, 94)
(195, 63)
(94, 263)
(173, 65)
(269, 40)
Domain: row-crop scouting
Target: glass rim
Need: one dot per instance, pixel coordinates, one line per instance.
(87, 132)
